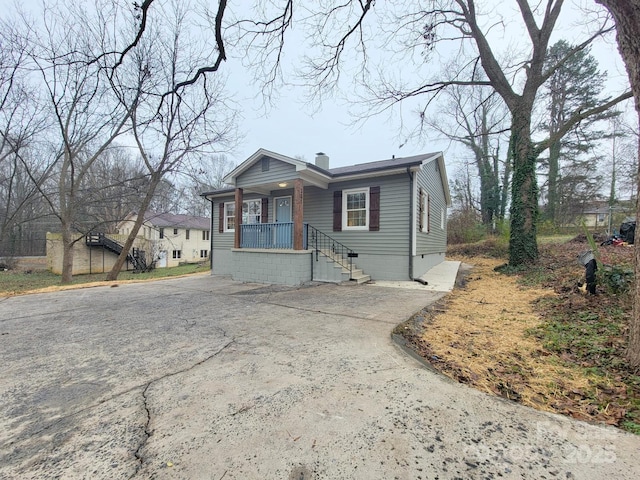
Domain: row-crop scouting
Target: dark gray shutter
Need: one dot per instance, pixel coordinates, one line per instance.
(374, 209)
(264, 212)
(337, 211)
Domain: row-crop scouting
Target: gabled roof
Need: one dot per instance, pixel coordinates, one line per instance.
(249, 162)
(177, 220)
(321, 177)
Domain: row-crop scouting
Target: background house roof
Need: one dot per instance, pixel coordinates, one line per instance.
(177, 220)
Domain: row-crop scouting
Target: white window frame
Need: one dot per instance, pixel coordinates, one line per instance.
(226, 217)
(177, 254)
(244, 216)
(442, 218)
(345, 195)
(425, 221)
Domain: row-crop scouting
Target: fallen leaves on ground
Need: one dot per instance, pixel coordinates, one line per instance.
(490, 334)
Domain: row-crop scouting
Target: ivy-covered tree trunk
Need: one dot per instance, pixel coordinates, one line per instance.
(523, 247)
(627, 17)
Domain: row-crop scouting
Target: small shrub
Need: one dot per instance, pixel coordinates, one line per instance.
(493, 247)
(464, 227)
(614, 279)
(547, 227)
(8, 263)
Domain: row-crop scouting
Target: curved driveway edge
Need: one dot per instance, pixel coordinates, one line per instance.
(203, 377)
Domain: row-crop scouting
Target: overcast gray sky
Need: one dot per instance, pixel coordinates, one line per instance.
(290, 128)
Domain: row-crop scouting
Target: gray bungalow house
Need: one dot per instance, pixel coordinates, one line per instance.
(287, 221)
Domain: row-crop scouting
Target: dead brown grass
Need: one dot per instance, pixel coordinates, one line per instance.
(480, 338)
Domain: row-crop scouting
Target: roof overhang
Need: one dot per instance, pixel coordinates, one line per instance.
(314, 176)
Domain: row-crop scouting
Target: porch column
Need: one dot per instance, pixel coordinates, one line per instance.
(238, 218)
(298, 209)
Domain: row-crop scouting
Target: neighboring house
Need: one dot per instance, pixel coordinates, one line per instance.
(288, 221)
(174, 239)
(596, 215)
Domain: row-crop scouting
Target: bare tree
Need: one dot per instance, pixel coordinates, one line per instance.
(20, 126)
(627, 17)
(476, 118)
(85, 118)
(424, 30)
(205, 175)
(341, 32)
(173, 127)
(112, 188)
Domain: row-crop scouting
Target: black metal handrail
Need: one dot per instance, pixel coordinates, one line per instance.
(137, 257)
(330, 247)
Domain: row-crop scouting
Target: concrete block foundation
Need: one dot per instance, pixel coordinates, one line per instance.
(282, 267)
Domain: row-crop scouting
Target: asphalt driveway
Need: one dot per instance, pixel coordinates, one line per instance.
(203, 377)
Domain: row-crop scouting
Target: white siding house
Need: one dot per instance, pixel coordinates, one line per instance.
(174, 239)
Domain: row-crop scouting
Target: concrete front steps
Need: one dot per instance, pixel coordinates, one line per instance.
(327, 269)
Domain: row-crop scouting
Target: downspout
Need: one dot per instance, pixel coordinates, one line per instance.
(211, 237)
(411, 222)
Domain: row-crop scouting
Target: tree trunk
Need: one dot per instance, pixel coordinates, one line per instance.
(552, 196)
(67, 253)
(115, 271)
(627, 17)
(506, 184)
(523, 248)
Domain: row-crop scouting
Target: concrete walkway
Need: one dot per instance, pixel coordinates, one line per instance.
(441, 278)
(206, 378)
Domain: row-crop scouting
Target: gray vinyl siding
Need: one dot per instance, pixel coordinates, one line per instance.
(393, 237)
(225, 240)
(278, 172)
(435, 241)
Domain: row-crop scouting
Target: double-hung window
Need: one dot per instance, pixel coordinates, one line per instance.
(251, 214)
(355, 209)
(229, 217)
(251, 211)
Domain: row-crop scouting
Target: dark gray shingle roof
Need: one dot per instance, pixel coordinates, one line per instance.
(401, 162)
(369, 167)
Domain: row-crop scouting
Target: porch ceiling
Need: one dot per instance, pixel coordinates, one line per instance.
(267, 188)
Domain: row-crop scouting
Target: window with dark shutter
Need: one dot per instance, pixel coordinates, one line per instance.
(337, 211)
(221, 217)
(374, 209)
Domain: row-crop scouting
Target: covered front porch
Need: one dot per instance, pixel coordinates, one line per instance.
(262, 232)
(271, 236)
(286, 231)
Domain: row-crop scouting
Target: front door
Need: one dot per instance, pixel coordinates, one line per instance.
(283, 237)
(283, 209)
(162, 259)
